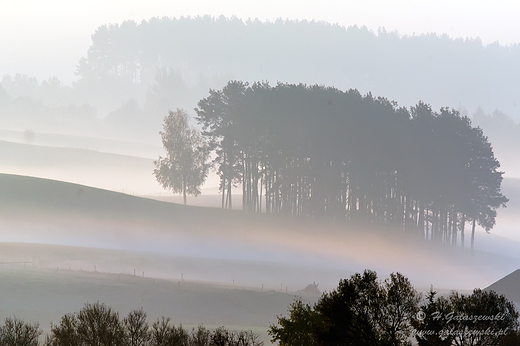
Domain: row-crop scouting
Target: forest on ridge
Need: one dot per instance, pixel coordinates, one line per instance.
(134, 72)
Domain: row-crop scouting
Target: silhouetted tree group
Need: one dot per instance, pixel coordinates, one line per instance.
(481, 318)
(98, 325)
(365, 311)
(320, 152)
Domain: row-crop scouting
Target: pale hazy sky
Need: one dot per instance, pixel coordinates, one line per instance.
(46, 38)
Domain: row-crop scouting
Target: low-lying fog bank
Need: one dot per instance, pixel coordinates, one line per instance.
(223, 245)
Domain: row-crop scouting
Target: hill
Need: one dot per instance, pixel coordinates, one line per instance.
(102, 169)
(87, 244)
(50, 212)
(509, 286)
(93, 143)
(44, 295)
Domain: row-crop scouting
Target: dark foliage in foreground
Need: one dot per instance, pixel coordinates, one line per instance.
(98, 325)
(16, 332)
(366, 311)
(481, 318)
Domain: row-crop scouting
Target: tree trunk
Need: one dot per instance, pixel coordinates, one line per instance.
(421, 221)
(462, 231)
(223, 181)
(229, 193)
(453, 226)
(473, 236)
(223, 184)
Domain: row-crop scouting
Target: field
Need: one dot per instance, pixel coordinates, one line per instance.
(199, 264)
(35, 292)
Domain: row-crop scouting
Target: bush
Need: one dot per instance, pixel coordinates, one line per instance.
(136, 328)
(224, 337)
(165, 334)
(97, 325)
(200, 337)
(16, 332)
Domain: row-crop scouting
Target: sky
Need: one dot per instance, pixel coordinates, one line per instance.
(47, 38)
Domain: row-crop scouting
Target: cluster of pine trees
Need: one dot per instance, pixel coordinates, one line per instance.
(320, 152)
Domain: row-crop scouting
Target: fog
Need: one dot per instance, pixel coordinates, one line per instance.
(229, 245)
(84, 89)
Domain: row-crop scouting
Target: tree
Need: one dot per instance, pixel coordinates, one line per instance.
(98, 325)
(217, 114)
(164, 334)
(95, 324)
(401, 301)
(223, 337)
(351, 312)
(299, 328)
(428, 326)
(482, 318)
(136, 327)
(317, 151)
(16, 332)
(487, 318)
(485, 195)
(361, 311)
(185, 167)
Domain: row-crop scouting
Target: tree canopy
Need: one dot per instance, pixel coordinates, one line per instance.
(318, 152)
(363, 310)
(184, 168)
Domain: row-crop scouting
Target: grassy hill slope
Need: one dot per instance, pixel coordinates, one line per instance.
(105, 170)
(44, 211)
(68, 205)
(100, 237)
(221, 244)
(45, 295)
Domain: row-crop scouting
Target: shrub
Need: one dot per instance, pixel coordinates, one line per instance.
(136, 328)
(94, 325)
(16, 332)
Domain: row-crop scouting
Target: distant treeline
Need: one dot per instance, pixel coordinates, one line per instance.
(98, 325)
(134, 72)
(442, 69)
(320, 152)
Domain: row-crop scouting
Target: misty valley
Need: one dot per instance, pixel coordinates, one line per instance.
(213, 181)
